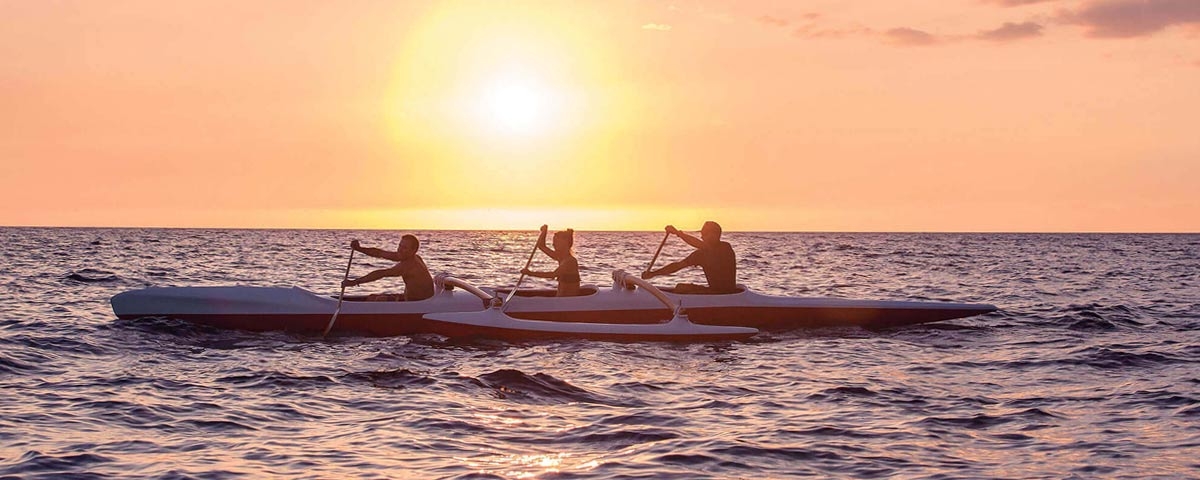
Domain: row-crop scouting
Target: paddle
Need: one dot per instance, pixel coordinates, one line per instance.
(340, 295)
(656, 252)
(522, 278)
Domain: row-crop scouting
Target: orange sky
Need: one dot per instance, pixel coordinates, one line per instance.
(928, 115)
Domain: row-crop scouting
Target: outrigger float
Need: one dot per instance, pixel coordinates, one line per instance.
(632, 309)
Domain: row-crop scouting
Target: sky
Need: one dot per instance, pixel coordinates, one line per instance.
(923, 115)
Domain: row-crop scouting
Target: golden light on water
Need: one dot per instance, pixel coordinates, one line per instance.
(523, 466)
(497, 419)
(530, 465)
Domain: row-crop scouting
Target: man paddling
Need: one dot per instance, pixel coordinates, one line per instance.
(714, 256)
(418, 284)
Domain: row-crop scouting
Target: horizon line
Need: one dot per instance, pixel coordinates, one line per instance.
(992, 232)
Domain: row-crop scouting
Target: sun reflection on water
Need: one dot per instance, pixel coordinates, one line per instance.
(530, 465)
(539, 424)
(493, 418)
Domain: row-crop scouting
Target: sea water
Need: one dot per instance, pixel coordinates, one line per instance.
(1090, 369)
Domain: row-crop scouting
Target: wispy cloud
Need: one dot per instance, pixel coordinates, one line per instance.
(1133, 18)
(1100, 18)
(1017, 3)
(774, 21)
(1011, 31)
(910, 37)
(661, 27)
(809, 25)
(816, 31)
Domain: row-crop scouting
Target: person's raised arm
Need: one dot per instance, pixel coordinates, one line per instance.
(541, 245)
(687, 237)
(375, 252)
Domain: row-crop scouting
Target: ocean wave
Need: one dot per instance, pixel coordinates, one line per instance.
(1112, 358)
(128, 414)
(788, 453)
(402, 378)
(71, 464)
(538, 388)
(9, 366)
(166, 326)
(1162, 398)
(217, 426)
(850, 391)
(55, 343)
(643, 418)
(1098, 317)
(828, 431)
(984, 421)
(275, 380)
(91, 275)
(619, 437)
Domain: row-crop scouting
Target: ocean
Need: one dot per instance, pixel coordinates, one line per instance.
(1091, 368)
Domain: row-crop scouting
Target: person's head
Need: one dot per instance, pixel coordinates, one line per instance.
(710, 232)
(408, 246)
(564, 240)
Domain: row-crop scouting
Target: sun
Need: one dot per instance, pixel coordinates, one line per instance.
(516, 104)
(488, 95)
(496, 74)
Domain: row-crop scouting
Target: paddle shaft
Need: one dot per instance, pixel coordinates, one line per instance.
(656, 252)
(521, 278)
(340, 295)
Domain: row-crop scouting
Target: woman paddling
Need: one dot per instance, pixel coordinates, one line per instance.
(563, 252)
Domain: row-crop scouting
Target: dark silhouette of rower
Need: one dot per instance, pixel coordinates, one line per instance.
(714, 256)
(418, 284)
(563, 252)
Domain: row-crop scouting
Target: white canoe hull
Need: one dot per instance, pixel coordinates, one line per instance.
(746, 308)
(298, 310)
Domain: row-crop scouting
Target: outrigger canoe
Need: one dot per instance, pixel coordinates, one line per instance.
(746, 308)
(624, 309)
(495, 323)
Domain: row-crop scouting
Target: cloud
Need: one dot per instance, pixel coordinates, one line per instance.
(1017, 3)
(1133, 18)
(656, 26)
(1011, 31)
(810, 25)
(815, 31)
(910, 37)
(774, 21)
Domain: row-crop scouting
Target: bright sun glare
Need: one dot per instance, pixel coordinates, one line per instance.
(498, 94)
(516, 105)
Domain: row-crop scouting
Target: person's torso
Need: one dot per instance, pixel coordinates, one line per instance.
(568, 270)
(720, 266)
(568, 277)
(418, 284)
